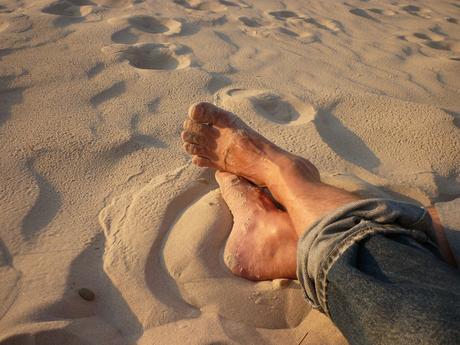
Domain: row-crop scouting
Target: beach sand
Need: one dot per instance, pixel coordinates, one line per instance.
(97, 193)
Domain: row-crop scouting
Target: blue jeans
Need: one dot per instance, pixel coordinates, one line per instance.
(374, 269)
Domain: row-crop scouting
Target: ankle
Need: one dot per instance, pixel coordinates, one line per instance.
(292, 169)
(297, 186)
(291, 178)
(320, 200)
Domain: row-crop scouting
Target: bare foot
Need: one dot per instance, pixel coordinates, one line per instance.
(263, 241)
(219, 139)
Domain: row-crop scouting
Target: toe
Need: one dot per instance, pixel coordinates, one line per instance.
(198, 150)
(243, 197)
(228, 181)
(194, 138)
(222, 176)
(201, 129)
(208, 113)
(235, 190)
(202, 162)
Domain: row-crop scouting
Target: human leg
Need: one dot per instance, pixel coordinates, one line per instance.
(338, 222)
(393, 290)
(218, 139)
(263, 243)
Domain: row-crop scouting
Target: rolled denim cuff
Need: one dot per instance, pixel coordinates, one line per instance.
(329, 237)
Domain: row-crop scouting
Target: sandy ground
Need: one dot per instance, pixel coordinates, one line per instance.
(96, 192)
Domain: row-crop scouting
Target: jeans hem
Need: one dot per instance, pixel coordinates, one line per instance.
(329, 237)
(368, 229)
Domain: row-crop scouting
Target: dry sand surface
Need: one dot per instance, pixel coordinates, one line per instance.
(96, 191)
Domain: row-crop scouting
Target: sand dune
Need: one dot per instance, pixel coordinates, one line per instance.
(97, 193)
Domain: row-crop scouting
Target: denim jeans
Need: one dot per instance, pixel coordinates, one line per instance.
(374, 269)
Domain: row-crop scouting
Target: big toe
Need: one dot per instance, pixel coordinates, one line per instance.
(229, 182)
(234, 189)
(241, 196)
(208, 113)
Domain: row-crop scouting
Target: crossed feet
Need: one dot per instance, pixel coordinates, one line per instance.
(263, 241)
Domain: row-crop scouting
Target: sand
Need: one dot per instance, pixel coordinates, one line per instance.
(96, 192)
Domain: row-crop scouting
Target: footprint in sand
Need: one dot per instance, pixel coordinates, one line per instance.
(434, 38)
(16, 24)
(289, 24)
(69, 8)
(151, 56)
(269, 105)
(325, 24)
(383, 12)
(250, 22)
(9, 6)
(362, 13)
(283, 14)
(198, 5)
(132, 27)
(237, 3)
(319, 23)
(279, 32)
(417, 11)
(305, 29)
(114, 3)
(211, 6)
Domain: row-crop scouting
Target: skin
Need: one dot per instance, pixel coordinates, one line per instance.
(263, 240)
(441, 237)
(260, 226)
